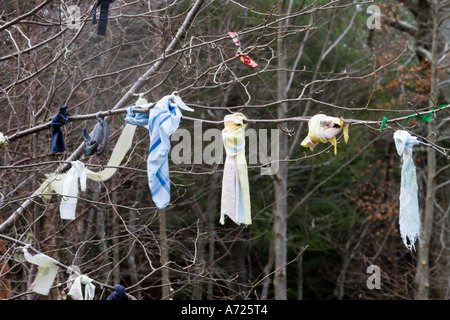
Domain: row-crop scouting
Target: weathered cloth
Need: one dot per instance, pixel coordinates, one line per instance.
(103, 19)
(120, 293)
(60, 119)
(244, 58)
(235, 201)
(47, 269)
(409, 216)
(76, 290)
(121, 148)
(98, 142)
(162, 120)
(323, 129)
(70, 190)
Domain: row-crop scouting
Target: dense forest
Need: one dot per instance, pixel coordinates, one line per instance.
(322, 221)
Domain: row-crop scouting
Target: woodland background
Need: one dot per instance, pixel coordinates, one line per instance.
(318, 224)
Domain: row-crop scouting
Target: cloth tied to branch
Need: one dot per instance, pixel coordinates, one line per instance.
(323, 129)
(98, 141)
(47, 269)
(162, 120)
(60, 119)
(235, 201)
(244, 58)
(103, 19)
(69, 199)
(409, 216)
(120, 293)
(76, 291)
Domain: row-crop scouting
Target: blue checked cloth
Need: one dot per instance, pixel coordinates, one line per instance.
(162, 120)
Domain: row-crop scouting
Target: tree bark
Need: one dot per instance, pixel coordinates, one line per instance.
(280, 181)
(422, 272)
(165, 277)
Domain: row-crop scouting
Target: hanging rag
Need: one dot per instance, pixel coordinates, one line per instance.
(409, 216)
(323, 128)
(76, 291)
(70, 190)
(55, 182)
(120, 293)
(244, 58)
(103, 18)
(235, 202)
(46, 272)
(57, 122)
(162, 120)
(98, 142)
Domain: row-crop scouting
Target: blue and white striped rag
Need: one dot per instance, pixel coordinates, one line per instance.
(162, 120)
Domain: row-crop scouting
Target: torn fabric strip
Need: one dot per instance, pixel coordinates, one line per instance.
(244, 58)
(323, 129)
(235, 202)
(46, 272)
(103, 19)
(69, 199)
(409, 216)
(121, 148)
(162, 120)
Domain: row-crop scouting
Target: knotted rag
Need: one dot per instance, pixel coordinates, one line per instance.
(70, 190)
(323, 128)
(60, 119)
(235, 187)
(98, 142)
(409, 216)
(120, 293)
(162, 120)
(244, 58)
(76, 291)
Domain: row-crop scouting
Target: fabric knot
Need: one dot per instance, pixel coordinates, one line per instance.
(76, 291)
(60, 119)
(120, 293)
(323, 129)
(404, 143)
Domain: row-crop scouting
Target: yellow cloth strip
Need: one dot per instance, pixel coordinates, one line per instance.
(123, 145)
(234, 142)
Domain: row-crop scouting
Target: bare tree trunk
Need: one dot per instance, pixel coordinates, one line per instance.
(115, 233)
(131, 260)
(280, 181)
(237, 263)
(5, 283)
(165, 280)
(422, 272)
(210, 214)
